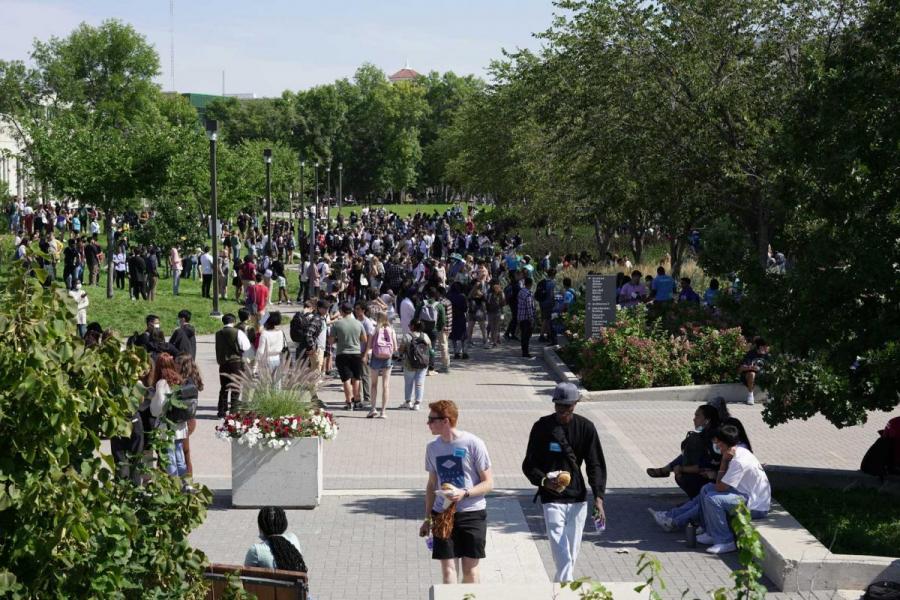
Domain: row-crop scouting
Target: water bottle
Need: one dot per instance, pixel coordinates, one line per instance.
(429, 542)
(690, 533)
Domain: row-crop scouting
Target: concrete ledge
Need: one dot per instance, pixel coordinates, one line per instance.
(784, 478)
(549, 591)
(733, 393)
(796, 561)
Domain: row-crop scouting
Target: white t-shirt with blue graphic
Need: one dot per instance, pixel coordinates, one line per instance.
(458, 463)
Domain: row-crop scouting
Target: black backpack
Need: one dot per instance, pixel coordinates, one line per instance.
(879, 458)
(418, 353)
(883, 590)
(183, 403)
(299, 324)
(540, 294)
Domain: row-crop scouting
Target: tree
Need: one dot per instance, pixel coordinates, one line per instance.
(242, 176)
(61, 505)
(834, 314)
(91, 122)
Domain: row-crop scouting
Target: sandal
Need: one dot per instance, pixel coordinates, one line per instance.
(658, 472)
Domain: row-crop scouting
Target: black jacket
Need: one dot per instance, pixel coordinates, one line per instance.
(546, 454)
(185, 340)
(137, 268)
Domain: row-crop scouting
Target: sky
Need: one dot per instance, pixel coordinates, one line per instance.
(267, 46)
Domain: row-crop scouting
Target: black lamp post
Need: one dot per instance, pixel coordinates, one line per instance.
(212, 128)
(302, 204)
(317, 193)
(328, 194)
(267, 156)
(340, 186)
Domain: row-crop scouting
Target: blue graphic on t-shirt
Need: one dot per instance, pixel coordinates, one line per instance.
(450, 470)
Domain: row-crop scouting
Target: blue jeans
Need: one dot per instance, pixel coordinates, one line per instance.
(689, 511)
(176, 280)
(717, 508)
(414, 385)
(177, 465)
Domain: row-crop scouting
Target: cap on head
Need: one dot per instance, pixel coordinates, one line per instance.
(566, 393)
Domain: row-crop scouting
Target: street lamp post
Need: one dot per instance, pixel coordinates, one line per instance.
(267, 156)
(317, 193)
(212, 128)
(302, 204)
(328, 194)
(340, 186)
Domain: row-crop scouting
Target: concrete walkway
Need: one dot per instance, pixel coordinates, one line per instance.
(362, 541)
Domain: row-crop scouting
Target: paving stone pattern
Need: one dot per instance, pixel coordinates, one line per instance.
(362, 542)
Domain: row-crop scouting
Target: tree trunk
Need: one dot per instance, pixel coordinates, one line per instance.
(762, 232)
(601, 238)
(110, 250)
(676, 251)
(637, 243)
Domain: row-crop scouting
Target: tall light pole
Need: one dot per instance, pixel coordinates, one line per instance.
(340, 186)
(317, 193)
(212, 128)
(302, 204)
(267, 156)
(328, 195)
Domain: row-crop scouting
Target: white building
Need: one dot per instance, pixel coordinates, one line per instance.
(9, 163)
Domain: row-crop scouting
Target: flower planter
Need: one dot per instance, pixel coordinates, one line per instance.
(276, 477)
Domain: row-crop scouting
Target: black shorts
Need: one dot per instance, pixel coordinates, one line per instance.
(467, 539)
(349, 366)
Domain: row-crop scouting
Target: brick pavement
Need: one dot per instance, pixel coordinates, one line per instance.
(362, 543)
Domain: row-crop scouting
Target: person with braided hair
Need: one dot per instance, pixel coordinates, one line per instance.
(277, 550)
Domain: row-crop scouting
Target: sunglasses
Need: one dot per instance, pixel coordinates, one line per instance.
(433, 419)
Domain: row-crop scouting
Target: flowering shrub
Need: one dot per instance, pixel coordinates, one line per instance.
(639, 352)
(276, 432)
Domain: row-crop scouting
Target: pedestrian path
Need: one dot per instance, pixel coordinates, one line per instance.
(362, 541)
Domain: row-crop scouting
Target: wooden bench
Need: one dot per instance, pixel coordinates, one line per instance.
(266, 584)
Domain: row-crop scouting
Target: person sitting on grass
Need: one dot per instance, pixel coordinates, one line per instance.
(277, 550)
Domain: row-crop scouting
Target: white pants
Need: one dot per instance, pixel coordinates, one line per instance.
(565, 524)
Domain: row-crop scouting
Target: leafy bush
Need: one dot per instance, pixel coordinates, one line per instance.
(71, 529)
(640, 352)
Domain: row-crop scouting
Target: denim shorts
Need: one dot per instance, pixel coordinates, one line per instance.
(377, 364)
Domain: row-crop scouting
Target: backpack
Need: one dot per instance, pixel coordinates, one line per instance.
(248, 271)
(182, 406)
(494, 304)
(428, 313)
(883, 590)
(300, 323)
(540, 294)
(879, 458)
(418, 353)
(384, 346)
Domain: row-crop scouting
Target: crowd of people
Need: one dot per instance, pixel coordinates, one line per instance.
(378, 290)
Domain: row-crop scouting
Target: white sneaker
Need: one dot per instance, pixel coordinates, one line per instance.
(416, 406)
(407, 405)
(722, 548)
(662, 519)
(750, 401)
(705, 539)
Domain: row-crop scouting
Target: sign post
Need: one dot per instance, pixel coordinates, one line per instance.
(600, 304)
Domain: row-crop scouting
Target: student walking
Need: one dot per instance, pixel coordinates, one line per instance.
(459, 477)
(557, 446)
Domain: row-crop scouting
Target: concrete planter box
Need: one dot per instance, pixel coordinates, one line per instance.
(270, 477)
(731, 392)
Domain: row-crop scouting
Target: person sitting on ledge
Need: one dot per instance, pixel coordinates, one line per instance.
(277, 550)
(695, 466)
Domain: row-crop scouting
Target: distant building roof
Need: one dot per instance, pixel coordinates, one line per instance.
(404, 74)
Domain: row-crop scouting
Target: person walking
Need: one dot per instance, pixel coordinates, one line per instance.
(415, 349)
(381, 348)
(361, 313)
(184, 338)
(557, 446)
(206, 272)
(165, 377)
(120, 266)
(137, 274)
(231, 344)
(459, 478)
(525, 316)
(175, 265)
(271, 343)
(349, 338)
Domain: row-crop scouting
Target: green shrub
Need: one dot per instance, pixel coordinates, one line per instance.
(71, 529)
(640, 352)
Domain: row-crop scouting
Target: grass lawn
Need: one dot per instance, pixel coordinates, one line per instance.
(856, 521)
(404, 210)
